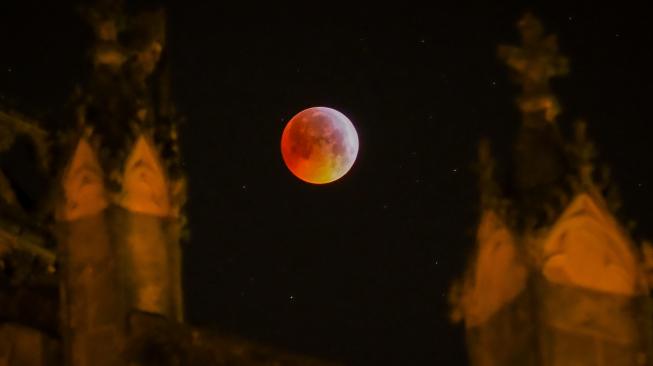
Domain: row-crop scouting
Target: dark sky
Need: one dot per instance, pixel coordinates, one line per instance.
(358, 270)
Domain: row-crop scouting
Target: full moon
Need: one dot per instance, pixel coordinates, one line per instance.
(319, 145)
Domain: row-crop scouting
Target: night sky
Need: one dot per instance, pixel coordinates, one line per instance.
(358, 270)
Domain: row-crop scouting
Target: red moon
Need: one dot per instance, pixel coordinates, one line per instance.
(319, 145)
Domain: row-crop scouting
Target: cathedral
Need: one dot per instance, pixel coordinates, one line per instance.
(555, 279)
(91, 218)
(92, 223)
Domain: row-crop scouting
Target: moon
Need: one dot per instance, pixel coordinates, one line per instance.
(319, 145)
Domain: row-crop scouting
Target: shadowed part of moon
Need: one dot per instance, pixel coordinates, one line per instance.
(319, 134)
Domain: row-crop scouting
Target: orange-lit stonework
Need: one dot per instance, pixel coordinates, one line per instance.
(83, 185)
(498, 275)
(145, 188)
(555, 279)
(587, 248)
(319, 145)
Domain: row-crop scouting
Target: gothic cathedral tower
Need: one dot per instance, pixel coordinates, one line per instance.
(118, 211)
(556, 280)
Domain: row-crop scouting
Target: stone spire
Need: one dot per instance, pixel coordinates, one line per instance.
(583, 152)
(540, 163)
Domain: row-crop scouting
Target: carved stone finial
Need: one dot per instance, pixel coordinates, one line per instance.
(535, 63)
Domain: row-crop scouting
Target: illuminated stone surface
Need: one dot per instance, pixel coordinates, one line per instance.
(83, 185)
(587, 248)
(145, 187)
(497, 277)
